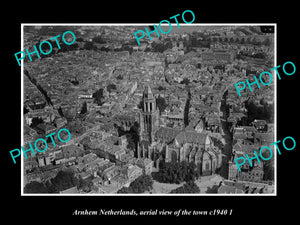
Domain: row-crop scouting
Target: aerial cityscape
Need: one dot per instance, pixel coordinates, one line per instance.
(162, 117)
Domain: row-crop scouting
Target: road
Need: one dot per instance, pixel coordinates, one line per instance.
(227, 150)
(79, 138)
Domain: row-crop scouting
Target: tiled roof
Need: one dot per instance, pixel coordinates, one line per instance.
(245, 148)
(167, 133)
(265, 137)
(190, 137)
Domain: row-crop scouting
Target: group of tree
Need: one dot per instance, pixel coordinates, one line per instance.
(75, 126)
(185, 81)
(132, 135)
(161, 103)
(85, 185)
(258, 55)
(54, 30)
(92, 45)
(176, 172)
(98, 39)
(196, 39)
(268, 172)
(161, 88)
(62, 181)
(243, 40)
(75, 82)
(264, 111)
(189, 187)
(124, 47)
(83, 109)
(111, 87)
(197, 42)
(140, 185)
(69, 113)
(98, 96)
(35, 187)
(89, 45)
(63, 48)
(161, 46)
(119, 77)
(35, 122)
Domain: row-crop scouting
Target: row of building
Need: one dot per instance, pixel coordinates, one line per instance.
(246, 140)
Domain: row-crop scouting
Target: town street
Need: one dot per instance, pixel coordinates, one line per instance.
(227, 150)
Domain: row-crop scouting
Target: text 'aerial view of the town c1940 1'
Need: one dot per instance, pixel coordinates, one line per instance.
(159, 118)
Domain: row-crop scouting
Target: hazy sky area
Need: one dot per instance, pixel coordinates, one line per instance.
(185, 28)
(188, 29)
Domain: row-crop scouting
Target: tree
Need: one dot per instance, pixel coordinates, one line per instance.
(36, 121)
(213, 189)
(63, 180)
(161, 47)
(98, 39)
(161, 103)
(266, 42)
(140, 185)
(140, 105)
(75, 126)
(25, 110)
(66, 48)
(185, 81)
(98, 95)
(119, 77)
(188, 187)
(259, 55)
(35, 187)
(83, 108)
(84, 185)
(242, 41)
(80, 39)
(89, 45)
(111, 86)
(176, 172)
(161, 88)
(264, 112)
(191, 172)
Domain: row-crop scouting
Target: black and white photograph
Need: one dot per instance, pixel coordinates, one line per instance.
(149, 113)
(162, 117)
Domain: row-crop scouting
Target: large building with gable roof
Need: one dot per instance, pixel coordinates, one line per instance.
(174, 145)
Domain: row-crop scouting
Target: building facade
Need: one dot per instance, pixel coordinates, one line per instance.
(148, 120)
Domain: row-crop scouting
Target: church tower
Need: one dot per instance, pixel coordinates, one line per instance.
(149, 118)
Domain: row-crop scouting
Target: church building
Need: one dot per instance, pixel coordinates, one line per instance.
(171, 144)
(148, 120)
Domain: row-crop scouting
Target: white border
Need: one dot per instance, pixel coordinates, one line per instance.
(147, 24)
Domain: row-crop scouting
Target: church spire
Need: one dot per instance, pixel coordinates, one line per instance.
(148, 94)
(149, 116)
